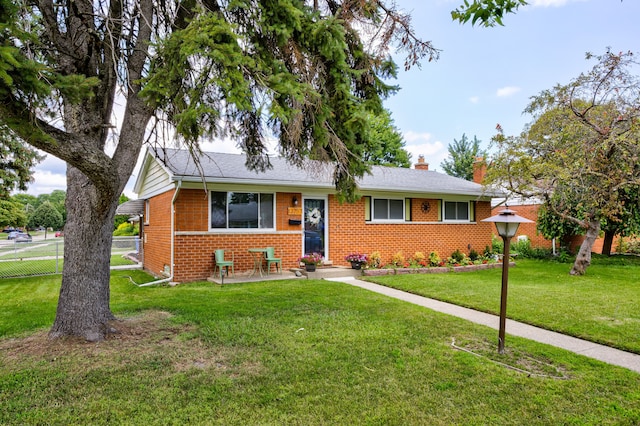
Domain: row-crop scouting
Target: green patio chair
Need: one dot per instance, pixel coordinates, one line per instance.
(270, 258)
(221, 263)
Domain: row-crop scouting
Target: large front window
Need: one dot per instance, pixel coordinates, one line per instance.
(456, 210)
(242, 210)
(388, 209)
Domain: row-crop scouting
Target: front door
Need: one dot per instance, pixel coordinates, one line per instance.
(314, 212)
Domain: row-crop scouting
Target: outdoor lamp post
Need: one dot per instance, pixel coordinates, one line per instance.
(507, 222)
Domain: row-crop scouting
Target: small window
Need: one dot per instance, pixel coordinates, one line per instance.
(146, 211)
(456, 210)
(388, 209)
(242, 210)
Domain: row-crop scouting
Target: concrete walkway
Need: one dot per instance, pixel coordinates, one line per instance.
(579, 346)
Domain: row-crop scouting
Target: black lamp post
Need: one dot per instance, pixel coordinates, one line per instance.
(507, 222)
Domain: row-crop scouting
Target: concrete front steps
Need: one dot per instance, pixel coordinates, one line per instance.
(327, 272)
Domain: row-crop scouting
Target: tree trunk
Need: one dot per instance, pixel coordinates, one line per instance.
(608, 242)
(83, 306)
(583, 259)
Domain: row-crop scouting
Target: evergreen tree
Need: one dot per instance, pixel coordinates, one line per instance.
(462, 155)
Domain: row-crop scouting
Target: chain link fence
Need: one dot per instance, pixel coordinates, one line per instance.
(45, 257)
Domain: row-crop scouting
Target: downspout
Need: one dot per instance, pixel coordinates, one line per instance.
(173, 225)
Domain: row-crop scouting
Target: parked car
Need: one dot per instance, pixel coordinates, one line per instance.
(8, 230)
(12, 235)
(59, 234)
(23, 237)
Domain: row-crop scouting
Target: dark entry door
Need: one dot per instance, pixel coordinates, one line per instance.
(314, 226)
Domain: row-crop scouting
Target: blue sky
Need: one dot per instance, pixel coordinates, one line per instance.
(484, 76)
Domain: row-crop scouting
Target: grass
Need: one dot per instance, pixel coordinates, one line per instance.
(283, 352)
(601, 306)
(45, 266)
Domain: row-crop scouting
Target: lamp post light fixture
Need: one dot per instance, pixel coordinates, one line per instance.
(507, 222)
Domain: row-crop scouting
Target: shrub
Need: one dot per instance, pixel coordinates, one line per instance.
(522, 247)
(622, 246)
(633, 246)
(496, 244)
(119, 220)
(540, 253)
(434, 259)
(419, 260)
(458, 256)
(398, 259)
(564, 257)
(473, 255)
(375, 260)
(126, 230)
(419, 256)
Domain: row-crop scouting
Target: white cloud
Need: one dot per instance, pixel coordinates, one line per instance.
(45, 182)
(548, 3)
(507, 91)
(411, 136)
(474, 99)
(419, 144)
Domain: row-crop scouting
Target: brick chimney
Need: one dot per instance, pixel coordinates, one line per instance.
(479, 169)
(421, 165)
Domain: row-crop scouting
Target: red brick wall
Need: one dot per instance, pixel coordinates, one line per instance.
(157, 234)
(195, 260)
(576, 242)
(192, 210)
(349, 232)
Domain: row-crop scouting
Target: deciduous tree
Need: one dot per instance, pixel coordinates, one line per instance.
(46, 215)
(12, 214)
(581, 153)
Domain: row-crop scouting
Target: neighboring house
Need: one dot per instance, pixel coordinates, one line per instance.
(529, 209)
(190, 212)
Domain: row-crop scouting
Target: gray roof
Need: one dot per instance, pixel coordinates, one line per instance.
(131, 207)
(222, 167)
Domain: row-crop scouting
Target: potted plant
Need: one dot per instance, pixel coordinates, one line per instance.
(310, 261)
(356, 259)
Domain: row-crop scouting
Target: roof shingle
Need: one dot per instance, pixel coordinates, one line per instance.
(216, 167)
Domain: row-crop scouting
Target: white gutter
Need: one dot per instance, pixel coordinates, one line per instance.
(173, 225)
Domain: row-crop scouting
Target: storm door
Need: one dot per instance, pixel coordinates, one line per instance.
(314, 213)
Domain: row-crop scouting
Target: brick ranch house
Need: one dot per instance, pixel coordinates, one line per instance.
(190, 212)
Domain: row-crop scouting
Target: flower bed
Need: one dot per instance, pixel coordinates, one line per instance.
(434, 270)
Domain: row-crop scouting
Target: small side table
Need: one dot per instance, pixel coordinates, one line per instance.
(258, 255)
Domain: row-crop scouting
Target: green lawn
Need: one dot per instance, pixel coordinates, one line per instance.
(284, 352)
(602, 306)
